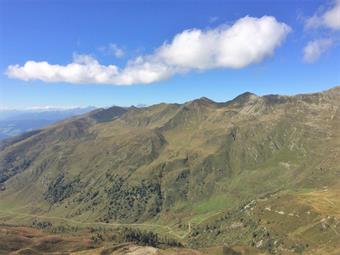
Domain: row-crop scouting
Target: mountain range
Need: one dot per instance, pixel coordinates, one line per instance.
(257, 173)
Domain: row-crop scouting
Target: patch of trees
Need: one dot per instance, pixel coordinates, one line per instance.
(59, 189)
(47, 225)
(41, 224)
(11, 166)
(134, 203)
(121, 235)
(148, 238)
(230, 227)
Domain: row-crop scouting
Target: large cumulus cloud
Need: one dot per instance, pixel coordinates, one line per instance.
(248, 41)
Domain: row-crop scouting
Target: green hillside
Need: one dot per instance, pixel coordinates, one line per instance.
(260, 172)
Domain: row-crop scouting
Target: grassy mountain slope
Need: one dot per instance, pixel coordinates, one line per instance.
(193, 167)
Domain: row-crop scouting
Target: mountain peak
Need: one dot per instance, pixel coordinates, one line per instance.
(244, 97)
(202, 101)
(246, 94)
(205, 99)
(108, 114)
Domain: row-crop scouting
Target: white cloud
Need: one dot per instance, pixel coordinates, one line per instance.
(248, 41)
(83, 69)
(314, 49)
(329, 18)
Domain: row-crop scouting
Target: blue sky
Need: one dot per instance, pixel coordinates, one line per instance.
(57, 31)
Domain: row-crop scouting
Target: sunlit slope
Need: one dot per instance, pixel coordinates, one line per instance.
(176, 164)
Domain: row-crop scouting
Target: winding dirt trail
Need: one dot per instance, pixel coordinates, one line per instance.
(167, 229)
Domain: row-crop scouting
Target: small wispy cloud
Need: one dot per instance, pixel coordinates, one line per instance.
(248, 41)
(314, 49)
(329, 18)
(324, 20)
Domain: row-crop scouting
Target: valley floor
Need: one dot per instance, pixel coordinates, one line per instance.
(15, 240)
(307, 217)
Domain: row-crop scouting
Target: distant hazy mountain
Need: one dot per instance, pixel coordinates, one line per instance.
(16, 122)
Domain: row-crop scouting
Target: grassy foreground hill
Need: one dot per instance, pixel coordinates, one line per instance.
(260, 173)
